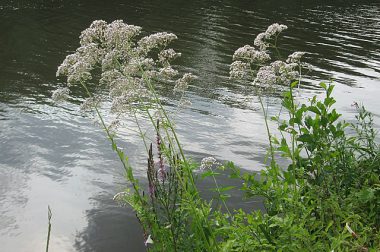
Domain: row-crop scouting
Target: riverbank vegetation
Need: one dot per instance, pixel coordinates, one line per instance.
(327, 197)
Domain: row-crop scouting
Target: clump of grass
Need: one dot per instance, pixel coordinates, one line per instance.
(327, 199)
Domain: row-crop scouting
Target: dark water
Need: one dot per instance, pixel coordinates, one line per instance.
(52, 154)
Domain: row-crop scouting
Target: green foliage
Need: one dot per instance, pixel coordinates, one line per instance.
(327, 198)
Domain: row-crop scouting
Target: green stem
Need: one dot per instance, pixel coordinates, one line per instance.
(141, 133)
(267, 129)
(49, 229)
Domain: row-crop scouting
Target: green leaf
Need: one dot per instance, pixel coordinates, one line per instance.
(294, 84)
(227, 188)
(314, 109)
(330, 89)
(329, 101)
(209, 173)
(323, 85)
(329, 225)
(366, 195)
(282, 127)
(274, 118)
(306, 138)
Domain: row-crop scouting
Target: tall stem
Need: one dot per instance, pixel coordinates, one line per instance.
(267, 128)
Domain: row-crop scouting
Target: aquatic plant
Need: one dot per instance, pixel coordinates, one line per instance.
(326, 199)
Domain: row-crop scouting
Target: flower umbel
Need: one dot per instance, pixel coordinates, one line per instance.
(208, 163)
(60, 94)
(262, 66)
(129, 66)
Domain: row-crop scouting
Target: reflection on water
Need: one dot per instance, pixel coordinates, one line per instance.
(52, 154)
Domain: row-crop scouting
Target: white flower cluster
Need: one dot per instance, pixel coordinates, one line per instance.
(240, 70)
(158, 40)
(89, 103)
(277, 72)
(168, 72)
(182, 84)
(273, 30)
(250, 54)
(128, 65)
(295, 57)
(60, 94)
(120, 196)
(165, 56)
(257, 65)
(208, 163)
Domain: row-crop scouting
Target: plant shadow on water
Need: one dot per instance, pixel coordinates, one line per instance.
(110, 228)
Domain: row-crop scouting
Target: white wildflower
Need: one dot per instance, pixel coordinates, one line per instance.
(307, 66)
(167, 72)
(93, 34)
(151, 74)
(128, 98)
(295, 57)
(251, 63)
(165, 56)
(146, 64)
(182, 84)
(89, 104)
(60, 94)
(157, 40)
(123, 60)
(291, 66)
(125, 85)
(90, 53)
(79, 72)
(278, 66)
(262, 56)
(277, 72)
(117, 34)
(70, 60)
(120, 196)
(111, 60)
(124, 103)
(245, 52)
(286, 72)
(240, 70)
(250, 54)
(208, 163)
(293, 75)
(108, 77)
(274, 29)
(184, 103)
(114, 125)
(77, 66)
(265, 76)
(260, 41)
(136, 66)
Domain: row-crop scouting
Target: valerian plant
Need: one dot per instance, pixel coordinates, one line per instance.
(326, 199)
(172, 214)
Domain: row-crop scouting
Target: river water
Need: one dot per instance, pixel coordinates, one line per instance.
(52, 154)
